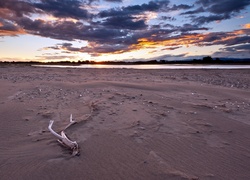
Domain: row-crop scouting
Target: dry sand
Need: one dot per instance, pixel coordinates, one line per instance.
(144, 124)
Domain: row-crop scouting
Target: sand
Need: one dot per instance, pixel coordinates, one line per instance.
(131, 124)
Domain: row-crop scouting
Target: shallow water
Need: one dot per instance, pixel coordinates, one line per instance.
(172, 66)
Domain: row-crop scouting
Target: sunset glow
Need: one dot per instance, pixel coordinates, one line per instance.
(110, 30)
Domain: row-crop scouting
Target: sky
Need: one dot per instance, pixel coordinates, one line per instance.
(123, 30)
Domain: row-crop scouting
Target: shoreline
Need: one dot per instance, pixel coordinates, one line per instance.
(151, 66)
(131, 123)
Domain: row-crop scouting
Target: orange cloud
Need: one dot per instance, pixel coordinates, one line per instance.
(184, 40)
(8, 29)
(11, 33)
(154, 41)
(247, 26)
(190, 39)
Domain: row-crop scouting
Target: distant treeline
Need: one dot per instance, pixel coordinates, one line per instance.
(204, 60)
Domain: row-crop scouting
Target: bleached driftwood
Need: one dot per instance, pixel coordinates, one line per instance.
(63, 139)
(71, 122)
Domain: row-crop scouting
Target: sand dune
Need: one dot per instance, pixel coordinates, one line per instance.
(132, 124)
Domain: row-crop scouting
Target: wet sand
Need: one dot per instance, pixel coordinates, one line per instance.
(131, 124)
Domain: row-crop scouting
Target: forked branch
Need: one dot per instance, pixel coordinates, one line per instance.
(63, 139)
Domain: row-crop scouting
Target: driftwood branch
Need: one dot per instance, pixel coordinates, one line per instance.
(71, 122)
(63, 139)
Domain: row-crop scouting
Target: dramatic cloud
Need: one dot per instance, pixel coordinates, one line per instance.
(152, 6)
(207, 19)
(238, 51)
(224, 6)
(113, 27)
(243, 47)
(136, 9)
(63, 8)
(18, 8)
(92, 48)
(179, 7)
(124, 22)
(171, 43)
(65, 30)
(207, 39)
(220, 10)
(9, 29)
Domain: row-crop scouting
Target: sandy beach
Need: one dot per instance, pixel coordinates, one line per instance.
(131, 124)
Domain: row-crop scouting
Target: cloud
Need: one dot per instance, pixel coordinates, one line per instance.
(92, 48)
(196, 39)
(207, 19)
(151, 6)
(116, 26)
(18, 8)
(196, 11)
(115, 1)
(69, 30)
(169, 18)
(224, 6)
(51, 57)
(179, 7)
(219, 10)
(170, 57)
(64, 8)
(228, 38)
(236, 51)
(154, 38)
(9, 29)
(111, 1)
(171, 48)
(191, 27)
(65, 30)
(236, 40)
(242, 47)
(247, 26)
(124, 22)
(124, 28)
(134, 10)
